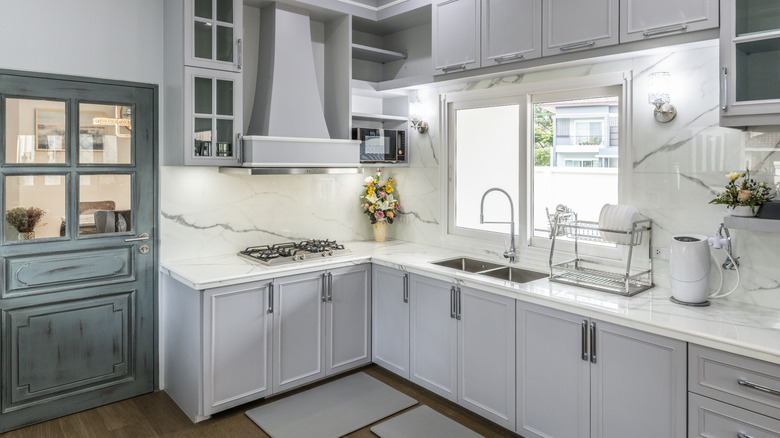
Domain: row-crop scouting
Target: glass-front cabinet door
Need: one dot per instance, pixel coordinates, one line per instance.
(749, 56)
(213, 123)
(213, 34)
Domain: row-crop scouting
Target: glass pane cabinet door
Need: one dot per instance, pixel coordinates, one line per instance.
(214, 124)
(216, 30)
(750, 54)
(36, 132)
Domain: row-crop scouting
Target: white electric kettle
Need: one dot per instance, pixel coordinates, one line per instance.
(689, 270)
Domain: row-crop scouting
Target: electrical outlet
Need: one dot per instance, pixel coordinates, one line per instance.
(661, 253)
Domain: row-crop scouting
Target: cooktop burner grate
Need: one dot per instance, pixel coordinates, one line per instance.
(294, 251)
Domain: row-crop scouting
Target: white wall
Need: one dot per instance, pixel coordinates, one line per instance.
(110, 39)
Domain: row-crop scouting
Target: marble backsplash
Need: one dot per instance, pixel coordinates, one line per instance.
(677, 168)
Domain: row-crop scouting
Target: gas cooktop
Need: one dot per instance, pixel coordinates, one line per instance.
(289, 252)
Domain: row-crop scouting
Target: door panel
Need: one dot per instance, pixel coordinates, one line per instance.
(349, 316)
(78, 307)
(390, 316)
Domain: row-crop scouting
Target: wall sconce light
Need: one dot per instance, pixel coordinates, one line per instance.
(415, 111)
(659, 96)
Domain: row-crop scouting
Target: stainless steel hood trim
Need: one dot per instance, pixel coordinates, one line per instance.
(288, 170)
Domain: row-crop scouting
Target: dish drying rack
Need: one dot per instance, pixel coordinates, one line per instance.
(595, 274)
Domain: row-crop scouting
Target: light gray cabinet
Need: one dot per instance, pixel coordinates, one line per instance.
(575, 25)
(455, 28)
(217, 345)
(640, 19)
(203, 78)
(510, 31)
(321, 323)
(390, 316)
(603, 380)
(712, 418)
(462, 346)
(749, 55)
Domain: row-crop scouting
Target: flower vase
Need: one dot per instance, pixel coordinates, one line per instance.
(25, 235)
(743, 211)
(380, 230)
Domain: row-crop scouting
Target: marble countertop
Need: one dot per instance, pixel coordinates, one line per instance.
(730, 326)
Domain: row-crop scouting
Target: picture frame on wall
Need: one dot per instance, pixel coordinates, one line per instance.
(50, 130)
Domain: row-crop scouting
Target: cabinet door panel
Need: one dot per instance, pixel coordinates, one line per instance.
(349, 319)
(238, 347)
(572, 25)
(511, 31)
(212, 34)
(455, 35)
(638, 383)
(640, 19)
(434, 335)
(553, 380)
(486, 355)
(390, 315)
(298, 324)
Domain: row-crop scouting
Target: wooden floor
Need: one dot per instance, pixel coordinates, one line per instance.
(156, 415)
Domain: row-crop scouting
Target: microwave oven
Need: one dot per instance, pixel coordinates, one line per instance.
(381, 145)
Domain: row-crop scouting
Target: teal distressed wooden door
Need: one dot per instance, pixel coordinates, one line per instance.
(77, 249)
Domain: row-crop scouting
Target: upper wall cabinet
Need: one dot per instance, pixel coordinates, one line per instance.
(749, 56)
(573, 25)
(641, 19)
(455, 27)
(213, 34)
(510, 31)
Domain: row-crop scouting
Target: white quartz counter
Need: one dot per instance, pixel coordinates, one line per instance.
(738, 328)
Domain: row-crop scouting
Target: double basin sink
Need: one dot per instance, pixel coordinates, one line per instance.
(493, 270)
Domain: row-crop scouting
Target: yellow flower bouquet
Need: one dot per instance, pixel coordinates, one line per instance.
(379, 200)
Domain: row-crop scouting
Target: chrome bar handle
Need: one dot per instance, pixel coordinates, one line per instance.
(143, 237)
(270, 298)
(406, 287)
(240, 49)
(743, 435)
(451, 68)
(457, 304)
(666, 29)
(506, 58)
(239, 149)
(325, 287)
(452, 302)
(584, 338)
(592, 342)
(724, 88)
(330, 287)
(574, 46)
(758, 387)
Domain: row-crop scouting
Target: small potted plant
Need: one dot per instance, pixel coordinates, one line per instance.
(743, 197)
(379, 204)
(24, 220)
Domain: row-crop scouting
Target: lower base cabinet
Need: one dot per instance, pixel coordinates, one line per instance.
(462, 346)
(712, 418)
(579, 377)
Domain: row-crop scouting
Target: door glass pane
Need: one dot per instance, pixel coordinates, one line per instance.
(203, 40)
(756, 67)
(35, 131)
(105, 134)
(224, 98)
(224, 138)
(203, 96)
(224, 44)
(104, 203)
(203, 8)
(225, 10)
(757, 16)
(35, 207)
(202, 137)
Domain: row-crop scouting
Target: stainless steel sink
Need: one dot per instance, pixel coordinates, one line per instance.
(493, 270)
(516, 275)
(467, 264)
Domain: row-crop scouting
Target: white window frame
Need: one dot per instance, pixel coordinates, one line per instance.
(529, 248)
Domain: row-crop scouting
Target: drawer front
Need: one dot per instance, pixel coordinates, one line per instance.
(711, 418)
(738, 380)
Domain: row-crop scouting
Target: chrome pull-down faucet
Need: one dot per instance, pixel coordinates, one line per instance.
(510, 253)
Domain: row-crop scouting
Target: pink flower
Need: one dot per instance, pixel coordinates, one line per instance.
(382, 194)
(395, 206)
(379, 215)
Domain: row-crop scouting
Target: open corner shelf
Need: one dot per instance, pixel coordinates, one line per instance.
(752, 224)
(379, 117)
(374, 54)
